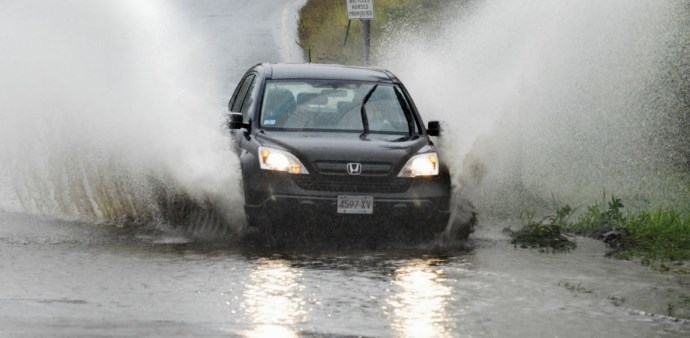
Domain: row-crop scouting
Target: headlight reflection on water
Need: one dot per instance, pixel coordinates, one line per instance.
(418, 304)
(272, 299)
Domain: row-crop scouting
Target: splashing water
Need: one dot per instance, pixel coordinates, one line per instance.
(556, 101)
(107, 114)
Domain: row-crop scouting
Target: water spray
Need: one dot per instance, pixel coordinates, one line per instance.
(106, 111)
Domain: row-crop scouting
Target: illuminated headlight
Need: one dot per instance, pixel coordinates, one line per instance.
(421, 165)
(279, 160)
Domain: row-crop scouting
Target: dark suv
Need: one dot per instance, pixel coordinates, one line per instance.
(330, 144)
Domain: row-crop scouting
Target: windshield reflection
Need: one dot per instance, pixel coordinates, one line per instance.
(272, 299)
(418, 305)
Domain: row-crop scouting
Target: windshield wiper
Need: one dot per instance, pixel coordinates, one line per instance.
(365, 119)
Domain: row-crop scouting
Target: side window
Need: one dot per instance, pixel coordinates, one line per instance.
(235, 95)
(240, 93)
(248, 101)
(407, 106)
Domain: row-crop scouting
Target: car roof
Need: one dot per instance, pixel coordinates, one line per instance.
(326, 72)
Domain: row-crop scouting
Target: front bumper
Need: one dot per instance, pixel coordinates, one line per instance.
(276, 197)
(287, 211)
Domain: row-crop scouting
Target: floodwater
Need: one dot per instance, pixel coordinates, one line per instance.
(133, 276)
(75, 279)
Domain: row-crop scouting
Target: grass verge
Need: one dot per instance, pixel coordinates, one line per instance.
(659, 235)
(655, 237)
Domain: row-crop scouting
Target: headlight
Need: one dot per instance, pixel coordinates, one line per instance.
(421, 165)
(279, 160)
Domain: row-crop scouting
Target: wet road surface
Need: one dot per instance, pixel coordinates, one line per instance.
(73, 279)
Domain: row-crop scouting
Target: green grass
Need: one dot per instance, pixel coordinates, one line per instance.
(663, 234)
(597, 219)
(658, 235)
(546, 235)
(654, 236)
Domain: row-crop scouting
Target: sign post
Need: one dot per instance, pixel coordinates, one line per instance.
(363, 10)
(366, 40)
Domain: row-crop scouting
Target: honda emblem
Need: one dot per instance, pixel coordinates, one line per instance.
(354, 168)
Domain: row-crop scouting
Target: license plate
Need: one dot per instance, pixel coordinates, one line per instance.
(348, 204)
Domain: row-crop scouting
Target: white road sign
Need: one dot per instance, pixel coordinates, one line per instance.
(360, 9)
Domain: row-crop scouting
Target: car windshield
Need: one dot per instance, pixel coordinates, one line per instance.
(362, 107)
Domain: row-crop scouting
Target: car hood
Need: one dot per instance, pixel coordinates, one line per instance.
(319, 147)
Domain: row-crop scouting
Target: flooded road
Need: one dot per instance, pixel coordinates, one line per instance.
(72, 279)
(131, 276)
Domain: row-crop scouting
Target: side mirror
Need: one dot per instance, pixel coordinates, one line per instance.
(434, 128)
(235, 121)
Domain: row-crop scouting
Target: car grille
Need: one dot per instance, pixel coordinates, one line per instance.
(376, 177)
(351, 184)
(340, 168)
